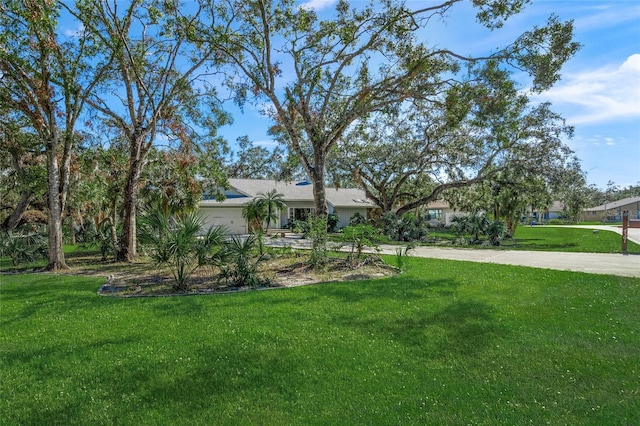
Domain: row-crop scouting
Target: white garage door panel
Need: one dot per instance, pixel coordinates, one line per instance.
(230, 218)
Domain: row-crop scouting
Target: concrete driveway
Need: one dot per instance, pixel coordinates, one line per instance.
(594, 263)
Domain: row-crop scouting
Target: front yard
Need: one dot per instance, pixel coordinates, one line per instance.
(443, 343)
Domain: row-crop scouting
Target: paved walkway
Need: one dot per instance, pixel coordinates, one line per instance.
(595, 263)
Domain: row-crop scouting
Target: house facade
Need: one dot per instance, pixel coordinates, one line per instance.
(441, 213)
(298, 196)
(613, 210)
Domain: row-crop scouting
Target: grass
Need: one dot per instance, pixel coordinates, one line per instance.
(445, 343)
(542, 238)
(568, 239)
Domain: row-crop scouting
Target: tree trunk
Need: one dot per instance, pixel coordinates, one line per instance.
(128, 248)
(317, 179)
(113, 225)
(54, 215)
(12, 221)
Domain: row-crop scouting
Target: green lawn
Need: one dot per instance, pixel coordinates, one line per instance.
(568, 239)
(543, 238)
(445, 343)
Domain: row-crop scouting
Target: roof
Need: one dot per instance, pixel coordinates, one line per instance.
(614, 204)
(248, 189)
(556, 206)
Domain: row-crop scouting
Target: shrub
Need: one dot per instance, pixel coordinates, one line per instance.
(359, 237)
(477, 226)
(496, 232)
(242, 266)
(23, 247)
(357, 219)
(409, 227)
(177, 242)
(332, 222)
(318, 235)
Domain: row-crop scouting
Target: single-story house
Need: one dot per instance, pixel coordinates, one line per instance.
(441, 213)
(298, 196)
(613, 210)
(554, 211)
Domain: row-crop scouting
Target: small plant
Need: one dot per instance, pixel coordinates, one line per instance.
(23, 247)
(359, 237)
(177, 242)
(401, 255)
(243, 271)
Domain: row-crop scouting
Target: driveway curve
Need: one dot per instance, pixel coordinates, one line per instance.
(593, 263)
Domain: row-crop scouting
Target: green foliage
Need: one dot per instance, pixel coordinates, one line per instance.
(332, 222)
(473, 225)
(270, 204)
(318, 235)
(359, 237)
(23, 246)
(409, 227)
(242, 260)
(495, 232)
(177, 242)
(255, 214)
(357, 219)
(401, 255)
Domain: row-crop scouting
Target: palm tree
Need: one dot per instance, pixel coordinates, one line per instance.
(271, 203)
(177, 242)
(255, 214)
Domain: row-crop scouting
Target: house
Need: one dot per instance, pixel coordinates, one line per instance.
(613, 210)
(298, 196)
(554, 211)
(441, 213)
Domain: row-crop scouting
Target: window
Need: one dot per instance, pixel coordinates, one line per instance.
(300, 213)
(435, 214)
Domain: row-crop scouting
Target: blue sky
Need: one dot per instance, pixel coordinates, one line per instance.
(599, 93)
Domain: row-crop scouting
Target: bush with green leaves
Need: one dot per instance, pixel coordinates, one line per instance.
(179, 243)
(300, 227)
(242, 256)
(23, 247)
(409, 227)
(359, 237)
(477, 226)
(357, 218)
(332, 222)
(318, 236)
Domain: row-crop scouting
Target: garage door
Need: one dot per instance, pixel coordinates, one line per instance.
(229, 217)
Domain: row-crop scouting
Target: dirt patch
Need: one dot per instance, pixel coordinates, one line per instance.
(142, 278)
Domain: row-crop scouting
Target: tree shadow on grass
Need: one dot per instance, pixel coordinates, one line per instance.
(462, 328)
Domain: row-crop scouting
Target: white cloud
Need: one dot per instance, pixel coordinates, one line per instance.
(318, 4)
(74, 32)
(607, 16)
(604, 94)
(266, 143)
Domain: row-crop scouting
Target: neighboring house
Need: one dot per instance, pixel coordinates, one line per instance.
(613, 210)
(554, 211)
(441, 213)
(298, 196)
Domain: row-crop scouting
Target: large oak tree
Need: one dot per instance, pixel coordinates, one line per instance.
(322, 75)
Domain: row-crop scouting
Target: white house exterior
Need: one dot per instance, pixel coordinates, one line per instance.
(298, 196)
